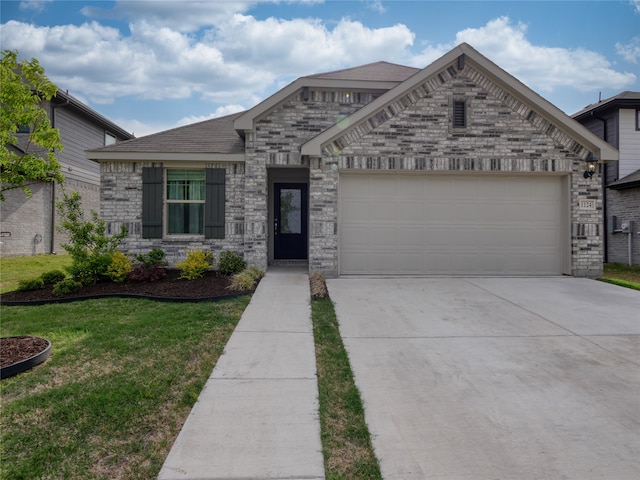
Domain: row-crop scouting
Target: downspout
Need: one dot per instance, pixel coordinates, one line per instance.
(603, 181)
(52, 241)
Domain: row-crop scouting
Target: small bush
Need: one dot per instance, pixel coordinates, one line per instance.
(154, 257)
(31, 284)
(52, 277)
(143, 273)
(119, 268)
(196, 263)
(151, 268)
(246, 280)
(66, 287)
(318, 286)
(89, 270)
(230, 263)
(255, 272)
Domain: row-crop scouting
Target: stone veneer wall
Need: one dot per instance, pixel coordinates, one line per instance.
(276, 143)
(121, 184)
(414, 134)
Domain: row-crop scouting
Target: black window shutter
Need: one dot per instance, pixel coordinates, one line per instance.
(152, 185)
(459, 114)
(214, 204)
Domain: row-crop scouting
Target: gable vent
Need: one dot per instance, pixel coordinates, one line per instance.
(459, 114)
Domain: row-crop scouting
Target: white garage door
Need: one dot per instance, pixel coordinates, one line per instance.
(451, 224)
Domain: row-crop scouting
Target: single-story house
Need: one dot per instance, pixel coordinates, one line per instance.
(617, 120)
(454, 169)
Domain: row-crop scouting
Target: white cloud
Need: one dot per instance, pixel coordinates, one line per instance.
(34, 5)
(183, 16)
(540, 67)
(631, 51)
(635, 4)
(376, 6)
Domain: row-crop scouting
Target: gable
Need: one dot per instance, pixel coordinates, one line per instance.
(463, 62)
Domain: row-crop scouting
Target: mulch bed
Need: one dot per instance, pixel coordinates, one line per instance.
(210, 286)
(16, 349)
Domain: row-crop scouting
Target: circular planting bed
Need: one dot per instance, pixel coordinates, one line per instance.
(21, 353)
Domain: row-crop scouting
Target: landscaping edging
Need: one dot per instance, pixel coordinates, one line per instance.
(123, 295)
(26, 364)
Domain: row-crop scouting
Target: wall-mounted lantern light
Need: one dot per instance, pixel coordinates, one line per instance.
(591, 167)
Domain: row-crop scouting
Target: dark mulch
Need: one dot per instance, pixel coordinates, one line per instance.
(16, 349)
(211, 285)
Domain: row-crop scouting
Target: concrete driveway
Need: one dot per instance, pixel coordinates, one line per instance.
(496, 378)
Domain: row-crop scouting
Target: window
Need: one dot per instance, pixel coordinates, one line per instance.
(459, 114)
(109, 139)
(185, 202)
(637, 119)
(24, 129)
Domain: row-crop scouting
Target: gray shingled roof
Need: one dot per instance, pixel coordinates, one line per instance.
(378, 71)
(211, 136)
(622, 99)
(630, 181)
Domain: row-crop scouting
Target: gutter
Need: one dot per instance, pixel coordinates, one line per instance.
(52, 240)
(603, 182)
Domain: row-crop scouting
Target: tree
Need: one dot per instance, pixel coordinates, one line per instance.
(23, 86)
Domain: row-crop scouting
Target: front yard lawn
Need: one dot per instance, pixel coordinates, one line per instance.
(122, 378)
(623, 275)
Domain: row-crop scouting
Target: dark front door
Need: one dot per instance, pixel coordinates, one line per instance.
(290, 221)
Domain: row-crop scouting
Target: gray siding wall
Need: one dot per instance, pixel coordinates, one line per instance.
(121, 204)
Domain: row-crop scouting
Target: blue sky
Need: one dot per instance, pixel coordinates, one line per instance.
(154, 65)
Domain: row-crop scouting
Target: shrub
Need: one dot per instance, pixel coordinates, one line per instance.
(246, 280)
(318, 286)
(66, 287)
(196, 263)
(154, 257)
(89, 246)
(119, 268)
(151, 268)
(52, 277)
(31, 284)
(230, 263)
(255, 272)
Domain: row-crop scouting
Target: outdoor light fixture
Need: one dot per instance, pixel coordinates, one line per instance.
(591, 167)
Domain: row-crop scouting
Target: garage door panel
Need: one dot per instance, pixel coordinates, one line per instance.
(447, 224)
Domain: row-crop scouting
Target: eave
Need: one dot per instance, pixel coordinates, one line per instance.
(99, 156)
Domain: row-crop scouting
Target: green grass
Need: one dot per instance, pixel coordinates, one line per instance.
(14, 269)
(622, 275)
(346, 442)
(112, 397)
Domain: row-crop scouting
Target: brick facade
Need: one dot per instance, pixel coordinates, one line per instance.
(122, 205)
(625, 205)
(413, 133)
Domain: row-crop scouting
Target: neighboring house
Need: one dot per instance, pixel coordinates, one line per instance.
(28, 225)
(617, 120)
(455, 169)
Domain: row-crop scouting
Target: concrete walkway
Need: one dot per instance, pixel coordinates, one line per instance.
(257, 416)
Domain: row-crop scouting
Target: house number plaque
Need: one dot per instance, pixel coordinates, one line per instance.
(587, 204)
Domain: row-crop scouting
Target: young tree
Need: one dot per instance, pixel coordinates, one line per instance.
(24, 85)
